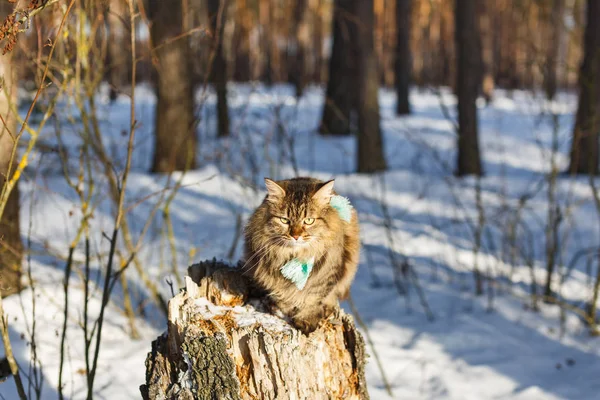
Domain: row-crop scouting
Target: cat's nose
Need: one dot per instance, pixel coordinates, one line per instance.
(296, 237)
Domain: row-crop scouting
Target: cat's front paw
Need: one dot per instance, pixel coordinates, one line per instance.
(306, 326)
(273, 309)
(331, 311)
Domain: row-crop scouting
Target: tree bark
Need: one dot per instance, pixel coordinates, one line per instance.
(219, 345)
(487, 49)
(317, 41)
(446, 47)
(119, 49)
(242, 71)
(266, 41)
(341, 93)
(584, 146)
(216, 13)
(11, 247)
(468, 78)
(370, 142)
(298, 53)
(175, 128)
(403, 56)
(554, 29)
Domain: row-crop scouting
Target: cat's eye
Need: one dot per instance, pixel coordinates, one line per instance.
(309, 221)
(284, 221)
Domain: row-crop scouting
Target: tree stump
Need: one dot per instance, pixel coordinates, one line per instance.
(221, 343)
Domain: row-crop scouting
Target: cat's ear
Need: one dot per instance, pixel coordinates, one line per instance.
(274, 191)
(323, 195)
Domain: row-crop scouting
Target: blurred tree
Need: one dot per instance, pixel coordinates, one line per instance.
(487, 48)
(298, 46)
(446, 46)
(584, 146)
(119, 49)
(341, 93)
(318, 26)
(554, 29)
(468, 78)
(528, 16)
(217, 10)
(11, 247)
(241, 38)
(517, 38)
(370, 142)
(505, 43)
(403, 55)
(175, 128)
(265, 18)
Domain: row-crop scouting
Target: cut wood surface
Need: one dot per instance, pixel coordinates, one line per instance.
(221, 343)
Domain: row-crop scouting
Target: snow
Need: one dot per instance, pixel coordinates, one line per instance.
(242, 315)
(486, 347)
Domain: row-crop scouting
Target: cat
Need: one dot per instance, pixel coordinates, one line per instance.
(296, 222)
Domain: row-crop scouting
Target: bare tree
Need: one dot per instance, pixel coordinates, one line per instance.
(370, 142)
(468, 79)
(175, 136)
(216, 13)
(11, 247)
(584, 147)
(403, 56)
(341, 93)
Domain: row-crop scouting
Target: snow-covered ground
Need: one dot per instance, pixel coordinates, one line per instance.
(487, 347)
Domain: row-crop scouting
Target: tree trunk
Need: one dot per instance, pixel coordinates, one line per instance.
(468, 78)
(216, 13)
(341, 93)
(119, 49)
(584, 147)
(487, 49)
(403, 56)
(446, 48)
(175, 128)
(554, 27)
(11, 247)
(300, 36)
(266, 40)
(242, 71)
(218, 345)
(370, 142)
(317, 42)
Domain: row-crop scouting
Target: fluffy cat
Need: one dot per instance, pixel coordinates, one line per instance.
(296, 222)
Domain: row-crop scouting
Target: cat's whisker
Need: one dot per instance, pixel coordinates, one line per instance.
(260, 252)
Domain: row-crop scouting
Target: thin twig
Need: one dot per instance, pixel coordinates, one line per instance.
(362, 324)
(65, 318)
(120, 209)
(236, 237)
(14, 368)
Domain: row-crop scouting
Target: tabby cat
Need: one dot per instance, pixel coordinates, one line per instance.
(296, 231)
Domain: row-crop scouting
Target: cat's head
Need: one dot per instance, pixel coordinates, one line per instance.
(297, 211)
